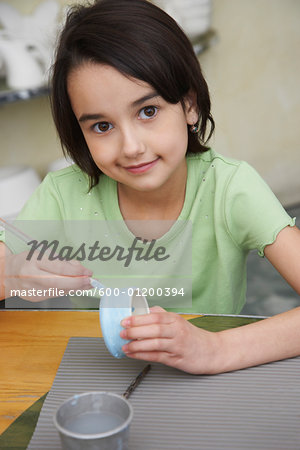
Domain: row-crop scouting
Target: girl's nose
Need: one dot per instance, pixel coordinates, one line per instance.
(132, 144)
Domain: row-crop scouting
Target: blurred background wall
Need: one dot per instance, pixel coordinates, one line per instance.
(253, 73)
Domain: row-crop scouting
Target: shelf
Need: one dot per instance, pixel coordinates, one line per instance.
(9, 95)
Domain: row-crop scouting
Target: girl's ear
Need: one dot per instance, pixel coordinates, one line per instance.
(191, 109)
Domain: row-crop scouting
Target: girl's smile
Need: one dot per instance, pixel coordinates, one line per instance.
(133, 134)
(143, 167)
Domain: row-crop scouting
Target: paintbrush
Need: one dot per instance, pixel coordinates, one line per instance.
(137, 381)
(16, 232)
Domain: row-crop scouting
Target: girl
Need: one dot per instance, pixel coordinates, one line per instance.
(133, 111)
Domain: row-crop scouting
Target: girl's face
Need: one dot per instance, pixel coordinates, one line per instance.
(133, 134)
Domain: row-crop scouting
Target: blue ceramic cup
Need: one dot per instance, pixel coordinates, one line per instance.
(113, 309)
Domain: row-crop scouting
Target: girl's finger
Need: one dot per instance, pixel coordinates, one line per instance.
(157, 309)
(69, 268)
(148, 345)
(148, 319)
(160, 357)
(151, 331)
(45, 280)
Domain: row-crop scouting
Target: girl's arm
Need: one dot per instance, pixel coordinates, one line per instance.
(277, 337)
(284, 254)
(167, 338)
(18, 273)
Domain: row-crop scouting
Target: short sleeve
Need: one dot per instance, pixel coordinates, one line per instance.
(44, 204)
(253, 214)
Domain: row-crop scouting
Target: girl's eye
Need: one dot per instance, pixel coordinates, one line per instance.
(148, 112)
(102, 127)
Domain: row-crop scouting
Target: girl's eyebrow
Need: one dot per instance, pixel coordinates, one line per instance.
(139, 101)
(143, 99)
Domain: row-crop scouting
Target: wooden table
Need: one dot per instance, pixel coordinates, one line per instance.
(32, 346)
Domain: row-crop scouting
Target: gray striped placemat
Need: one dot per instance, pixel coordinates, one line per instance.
(256, 408)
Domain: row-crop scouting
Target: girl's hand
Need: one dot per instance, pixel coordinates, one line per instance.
(167, 338)
(28, 276)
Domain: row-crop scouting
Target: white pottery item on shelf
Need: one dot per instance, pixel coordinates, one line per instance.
(27, 43)
(22, 71)
(194, 16)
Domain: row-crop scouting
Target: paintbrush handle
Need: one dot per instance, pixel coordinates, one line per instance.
(137, 381)
(16, 232)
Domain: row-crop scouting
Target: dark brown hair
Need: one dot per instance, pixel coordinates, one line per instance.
(139, 40)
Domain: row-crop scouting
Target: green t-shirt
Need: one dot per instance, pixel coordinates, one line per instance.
(230, 207)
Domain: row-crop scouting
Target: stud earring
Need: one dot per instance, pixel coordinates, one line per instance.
(195, 128)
